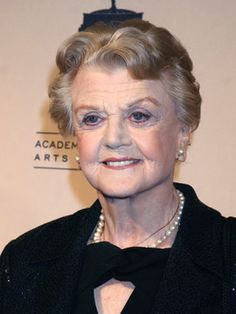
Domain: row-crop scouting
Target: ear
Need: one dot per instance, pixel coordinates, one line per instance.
(183, 142)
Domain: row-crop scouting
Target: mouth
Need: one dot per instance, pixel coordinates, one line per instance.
(120, 163)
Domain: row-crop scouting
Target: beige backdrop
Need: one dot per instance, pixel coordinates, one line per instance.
(30, 33)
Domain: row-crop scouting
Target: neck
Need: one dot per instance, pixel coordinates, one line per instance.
(130, 220)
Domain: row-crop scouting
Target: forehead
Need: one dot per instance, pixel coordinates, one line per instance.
(93, 84)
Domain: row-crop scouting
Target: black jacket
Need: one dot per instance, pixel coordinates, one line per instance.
(40, 270)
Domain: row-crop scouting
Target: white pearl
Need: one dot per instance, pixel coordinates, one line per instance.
(152, 246)
(101, 222)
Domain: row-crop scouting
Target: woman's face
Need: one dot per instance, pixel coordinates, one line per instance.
(127, 130)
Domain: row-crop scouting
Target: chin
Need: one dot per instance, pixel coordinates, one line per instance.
(119, 193)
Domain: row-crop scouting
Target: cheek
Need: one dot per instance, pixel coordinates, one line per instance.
(157, 145)
(87, 147)
(151, 146)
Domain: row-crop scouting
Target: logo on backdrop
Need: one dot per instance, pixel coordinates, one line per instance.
(52, 151)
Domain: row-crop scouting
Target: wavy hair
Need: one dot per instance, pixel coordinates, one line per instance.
(146, 51)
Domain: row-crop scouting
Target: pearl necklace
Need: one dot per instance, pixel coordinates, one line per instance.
(173, 226)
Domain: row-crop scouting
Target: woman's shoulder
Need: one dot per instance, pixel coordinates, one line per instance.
(195, 206)
(57, 225)
(53, 235)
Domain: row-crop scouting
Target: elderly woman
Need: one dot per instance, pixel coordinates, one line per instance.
(147, 245)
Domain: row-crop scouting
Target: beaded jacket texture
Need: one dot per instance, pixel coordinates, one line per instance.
(40, 271)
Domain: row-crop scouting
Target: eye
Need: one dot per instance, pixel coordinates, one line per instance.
(139, 117)
(91, 119)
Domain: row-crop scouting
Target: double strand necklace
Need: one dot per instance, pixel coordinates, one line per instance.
(173, 225)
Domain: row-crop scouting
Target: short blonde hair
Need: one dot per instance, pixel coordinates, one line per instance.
(147, 51)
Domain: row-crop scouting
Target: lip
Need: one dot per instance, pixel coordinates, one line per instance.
(120, 163)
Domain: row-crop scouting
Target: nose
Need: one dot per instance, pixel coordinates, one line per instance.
(116, 133)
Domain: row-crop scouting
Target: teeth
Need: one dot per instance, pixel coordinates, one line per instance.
(120, 163)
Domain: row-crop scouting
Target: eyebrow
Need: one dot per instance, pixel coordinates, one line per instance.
(85, 107)
(147, 98)
(129, 105)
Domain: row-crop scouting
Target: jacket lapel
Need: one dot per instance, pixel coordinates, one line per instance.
(54, 276)
(192, 280)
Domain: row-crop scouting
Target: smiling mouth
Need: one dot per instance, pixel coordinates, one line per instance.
(120, 164)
